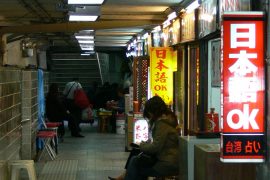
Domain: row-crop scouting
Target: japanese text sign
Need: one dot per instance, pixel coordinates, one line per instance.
(161, 73)
(140, 131)
(242, 87)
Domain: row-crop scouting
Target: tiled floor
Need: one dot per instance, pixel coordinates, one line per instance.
(98, 155)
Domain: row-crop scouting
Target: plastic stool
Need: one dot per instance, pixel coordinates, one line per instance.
(3, 170)
(16, 166)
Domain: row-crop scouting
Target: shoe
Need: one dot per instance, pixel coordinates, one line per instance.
(77, 135)
(111, 178)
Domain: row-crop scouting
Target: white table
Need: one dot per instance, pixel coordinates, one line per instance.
(186, 159)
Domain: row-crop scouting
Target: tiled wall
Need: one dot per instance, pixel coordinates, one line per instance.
(10, 113)
(29, 113)
(19, 112)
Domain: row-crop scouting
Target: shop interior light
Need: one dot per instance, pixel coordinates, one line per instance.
(145, 35)
(95, 2)
(192, 6)
(172, 16)
(82, 18)
(166, 23)
(156, 29)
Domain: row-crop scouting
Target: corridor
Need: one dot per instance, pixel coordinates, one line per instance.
(94, 157)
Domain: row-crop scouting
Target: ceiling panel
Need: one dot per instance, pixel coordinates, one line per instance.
(120, 20)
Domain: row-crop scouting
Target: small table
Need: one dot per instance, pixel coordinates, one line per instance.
(104, 119)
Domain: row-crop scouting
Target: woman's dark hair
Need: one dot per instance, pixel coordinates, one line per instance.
(156, 106)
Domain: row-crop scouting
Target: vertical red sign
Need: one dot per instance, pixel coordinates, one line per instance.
(242, 138)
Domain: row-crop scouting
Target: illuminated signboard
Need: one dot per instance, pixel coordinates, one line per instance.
(161, 73)
(140, 131)
(242, 113)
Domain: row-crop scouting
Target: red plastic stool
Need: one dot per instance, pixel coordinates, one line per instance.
(48, 138)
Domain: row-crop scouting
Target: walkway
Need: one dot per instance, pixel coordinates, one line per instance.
(94, 157)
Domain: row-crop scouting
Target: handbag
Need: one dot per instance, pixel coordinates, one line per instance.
(146, 160)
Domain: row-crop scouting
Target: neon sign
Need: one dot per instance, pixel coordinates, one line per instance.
(242, 138)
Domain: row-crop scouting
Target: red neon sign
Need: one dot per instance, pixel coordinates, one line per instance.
(243, 87)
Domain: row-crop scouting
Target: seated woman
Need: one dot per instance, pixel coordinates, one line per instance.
(163, 146)
(55, 109)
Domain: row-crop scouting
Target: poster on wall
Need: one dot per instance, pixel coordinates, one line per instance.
(243, 87)
(215, 63)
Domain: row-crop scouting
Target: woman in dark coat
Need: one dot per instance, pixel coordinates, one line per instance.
(55, 109)
(163, 145)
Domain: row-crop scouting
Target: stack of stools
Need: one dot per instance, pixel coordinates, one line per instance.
(17, 165)
(48, 138)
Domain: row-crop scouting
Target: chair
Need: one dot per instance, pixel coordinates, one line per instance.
(48, 137)
(17, 165)
(52, 126)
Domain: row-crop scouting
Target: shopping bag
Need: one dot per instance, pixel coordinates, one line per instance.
(80, 99)
(87, 114)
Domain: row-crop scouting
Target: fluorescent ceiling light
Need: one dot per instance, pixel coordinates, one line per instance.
(84, 37)
(82, 18)
(87, 48)
(85, 54)
(85, 1)
(86, 45)
(86, 42)
(89, 30)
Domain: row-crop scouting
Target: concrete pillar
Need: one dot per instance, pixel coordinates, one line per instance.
(29, 113)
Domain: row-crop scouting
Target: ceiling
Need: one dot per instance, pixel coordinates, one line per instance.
(46, 21)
